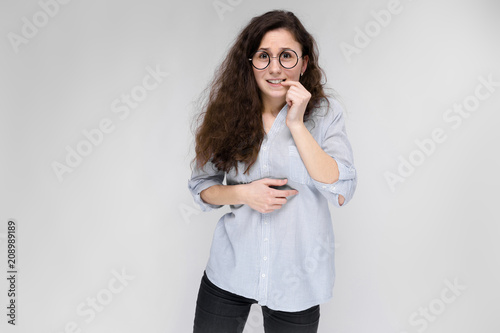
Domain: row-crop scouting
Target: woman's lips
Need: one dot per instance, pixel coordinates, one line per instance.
(275, 82)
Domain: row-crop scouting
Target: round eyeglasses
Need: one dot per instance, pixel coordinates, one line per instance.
(287, 58)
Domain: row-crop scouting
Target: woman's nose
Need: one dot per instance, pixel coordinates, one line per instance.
(275, 66)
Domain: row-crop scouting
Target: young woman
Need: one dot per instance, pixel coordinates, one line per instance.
(269, 129)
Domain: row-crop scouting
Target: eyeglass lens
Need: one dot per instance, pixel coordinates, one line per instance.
(288, 59)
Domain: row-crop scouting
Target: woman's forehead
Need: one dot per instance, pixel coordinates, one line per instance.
(277, 40)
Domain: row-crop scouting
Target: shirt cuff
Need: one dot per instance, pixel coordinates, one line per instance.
(196, 189)
(342, 186)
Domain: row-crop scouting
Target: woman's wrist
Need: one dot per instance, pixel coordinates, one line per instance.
(240, 193)
(224, 195)
(294, 126)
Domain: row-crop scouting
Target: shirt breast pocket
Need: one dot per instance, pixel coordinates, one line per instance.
(297, 170)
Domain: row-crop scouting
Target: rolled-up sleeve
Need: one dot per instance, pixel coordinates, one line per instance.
(201, 179)
(336, 144)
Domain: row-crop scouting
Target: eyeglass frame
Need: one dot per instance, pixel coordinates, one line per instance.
(279, 60)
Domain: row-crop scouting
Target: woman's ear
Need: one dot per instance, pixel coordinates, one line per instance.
(305, 60)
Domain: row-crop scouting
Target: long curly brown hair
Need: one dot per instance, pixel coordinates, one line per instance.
(231, 129)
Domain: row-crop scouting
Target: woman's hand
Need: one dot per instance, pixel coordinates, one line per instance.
(264, 199)
(297, 98)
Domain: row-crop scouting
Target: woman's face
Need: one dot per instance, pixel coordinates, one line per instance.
(274, 42)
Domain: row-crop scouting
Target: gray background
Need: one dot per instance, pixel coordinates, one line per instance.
(126, 207)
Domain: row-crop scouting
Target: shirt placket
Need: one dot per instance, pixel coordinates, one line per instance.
(265, 228)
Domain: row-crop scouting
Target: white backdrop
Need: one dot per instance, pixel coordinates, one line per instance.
(97, 99)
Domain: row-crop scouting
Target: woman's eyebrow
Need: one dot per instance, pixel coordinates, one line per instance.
(267, 49)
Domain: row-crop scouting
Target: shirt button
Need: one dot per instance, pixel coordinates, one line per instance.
(264, 148)
(264, 167)
(263, 275)
(324, 186)
(265, 258)
(265, 239)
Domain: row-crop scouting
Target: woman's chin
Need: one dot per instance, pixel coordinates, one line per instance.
(275, 96)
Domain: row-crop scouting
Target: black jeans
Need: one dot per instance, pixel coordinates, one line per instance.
(219, 311)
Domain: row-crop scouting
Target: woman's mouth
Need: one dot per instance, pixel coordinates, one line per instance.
(276, 82)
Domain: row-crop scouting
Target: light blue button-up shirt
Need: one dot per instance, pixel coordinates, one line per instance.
(283, 259)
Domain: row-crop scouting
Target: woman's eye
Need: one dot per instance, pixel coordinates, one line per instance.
(262, 56)
(286, 55)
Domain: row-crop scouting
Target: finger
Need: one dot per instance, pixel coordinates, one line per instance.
(294, 92)
(275, 207)
(297, 94)
(286, 193)
(274, 182)
(280, 201)
(270, 209)
(289, 83)
(292, 97)
(288, 100)
(289, 193)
